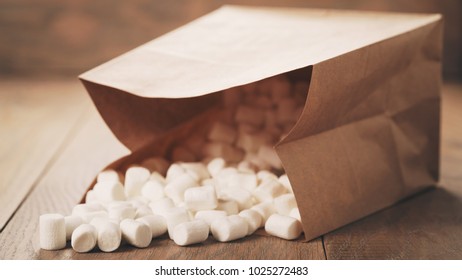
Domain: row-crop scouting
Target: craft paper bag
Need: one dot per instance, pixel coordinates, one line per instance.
(369, 132)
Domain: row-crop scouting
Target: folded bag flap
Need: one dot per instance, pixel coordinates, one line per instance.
(369, 134)
(229, 47)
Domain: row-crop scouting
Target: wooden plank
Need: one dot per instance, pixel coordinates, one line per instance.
(35, 119)
(426, 226)
(65, 183)
(90, 149)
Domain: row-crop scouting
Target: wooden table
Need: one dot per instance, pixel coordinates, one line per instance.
(53, 143)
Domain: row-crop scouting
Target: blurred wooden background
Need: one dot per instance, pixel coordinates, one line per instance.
(62, 38)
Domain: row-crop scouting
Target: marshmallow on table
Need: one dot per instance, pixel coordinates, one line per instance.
(106, 191)
(153, 190)
(143, 211)
(268, 190)
(108, 175)
(136, 233)
(87, 217)
(156, 176)
(156, 223)
(162, 205)
(174, 217)
(176, 187)
(229, 206)
(208, 216)
(200, 198)
(52, 232)
(80, 209)
(284, 203)
(173, 172)
(230, 228)
(265, 209)
(197, 168)
(245, 180)
(121, 212)
(109, 235)
(295, 213)
(84, 238)
(283, 227)
(135, 177)
(221, 132)
(253, 219)
(188, 233)
(71, 222)
(243, 197)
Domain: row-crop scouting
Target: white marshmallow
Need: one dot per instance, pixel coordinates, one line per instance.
(215, 165)
(108, 175)
(121, 213)
(264, 175)
(173, 172)
(284, 203)
(246, 166)
(242, 196)
(135, 177)
(153, 190)
(143, 211)
(87, 217)
(190, 233)
(197, 168)
(229, 206)
(90, 196)
(162, 205)
(284, 180)
(84, 238)
(250, 142)
(256, 162)
(268, 154)
(200, 198)
(174, 217)
(109, 235)
(249, 115)
(175, 188)
(229, 228)
(253, 219)
(283, 227)
(223, 150)
(295, 213)
(106, 191)
(71, 222)
(209, 216)
(136, 233)
(156, 176)
(221, 132)
(268, 190)
(52, 232)
(80, 209)
(158, 164)
(265, 209)
(245, 180)
(156, 223)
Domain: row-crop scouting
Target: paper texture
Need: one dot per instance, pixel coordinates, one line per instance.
(369, 133)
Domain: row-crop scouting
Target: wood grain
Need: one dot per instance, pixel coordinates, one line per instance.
(36, 120)
(62, 186)
(426, 226)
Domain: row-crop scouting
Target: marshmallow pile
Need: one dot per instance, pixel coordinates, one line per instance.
(228, 182)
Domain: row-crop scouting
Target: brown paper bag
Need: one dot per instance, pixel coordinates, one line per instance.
(369, 133)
